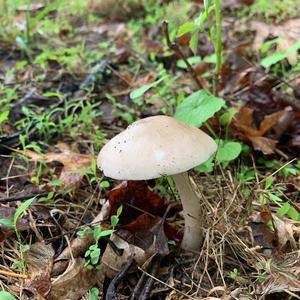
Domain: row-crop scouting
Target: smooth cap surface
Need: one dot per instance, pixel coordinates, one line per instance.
(153, 147)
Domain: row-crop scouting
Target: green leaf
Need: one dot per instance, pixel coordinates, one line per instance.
(94, 166)
(6, 296)
(56, 182)
(278, 56)
(228, 150)
(104, 184)
(198, 108)
(283, 210)
(192, 61)
(142, 90)
(7, 222)
(114, 220)
(269, 182)
(187, 27)
(266, 46)
(293, 214)
(4, 116)
(194, 41)
(211, 59)
(227, 117)
(119, 210)
(20, 211)
(93, 294)
(98, 233)
(274, 198)
(206, 167)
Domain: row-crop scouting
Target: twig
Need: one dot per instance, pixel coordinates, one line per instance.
(13, 274)
(174, 46)
(111, 291)
(167, 285)
(21, 197)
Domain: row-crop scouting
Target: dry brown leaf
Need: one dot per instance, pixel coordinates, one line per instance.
(112, 263)
(263, 144)
(72, 161)
(39, 261)
(244, 122)
(285, 232)
(279, 283)
(77, 247)
(75, 281)
(116, 9)
(288, 32)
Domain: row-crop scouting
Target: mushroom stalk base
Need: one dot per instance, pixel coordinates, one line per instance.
(193, 215)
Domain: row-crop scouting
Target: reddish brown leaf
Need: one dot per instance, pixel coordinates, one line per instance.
(145, 222)
(136, 198)
(244, 122)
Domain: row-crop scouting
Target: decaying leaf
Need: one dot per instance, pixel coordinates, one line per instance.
(288, 32)
(139, 246)
(77, 247)
(285, 233)
(243, 121)
(113, 263)
(116, 9)
(263, 144)
(136, 198)
(39, 261)
(70, 175)
(145, 222)
(75, 281)
(280, 282)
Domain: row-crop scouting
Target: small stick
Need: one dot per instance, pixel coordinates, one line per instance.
(12, 274)
(174, 46)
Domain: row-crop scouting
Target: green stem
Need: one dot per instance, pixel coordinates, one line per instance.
(27, 30)
(218, 44)
(211, 131)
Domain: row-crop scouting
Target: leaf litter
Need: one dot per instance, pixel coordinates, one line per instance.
(262, 250)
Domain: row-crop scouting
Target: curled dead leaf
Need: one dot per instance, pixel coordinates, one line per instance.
(76, 281)
(112, 263)
(285, 233)
(39, 261)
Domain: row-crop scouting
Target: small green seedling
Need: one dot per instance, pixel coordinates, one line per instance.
(93, 254)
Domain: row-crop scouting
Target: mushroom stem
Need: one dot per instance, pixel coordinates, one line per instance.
(193, 215)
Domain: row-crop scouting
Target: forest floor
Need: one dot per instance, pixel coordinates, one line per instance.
(76, 73)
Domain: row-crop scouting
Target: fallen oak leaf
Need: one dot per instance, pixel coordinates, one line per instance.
(72, 162)
(244, 122)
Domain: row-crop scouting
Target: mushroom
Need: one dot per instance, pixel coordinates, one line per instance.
(158, 146)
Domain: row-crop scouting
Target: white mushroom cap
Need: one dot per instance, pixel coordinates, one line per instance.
(153, 147)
